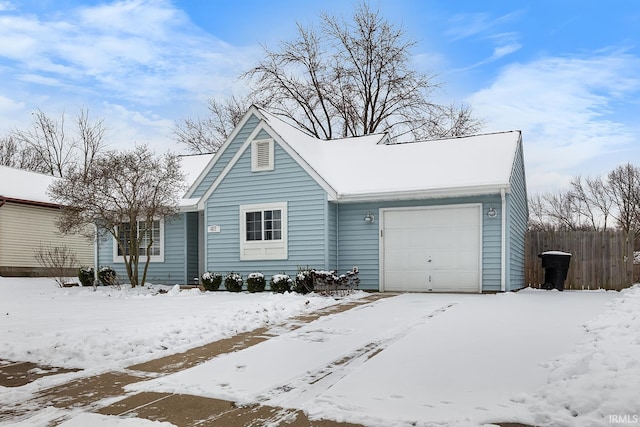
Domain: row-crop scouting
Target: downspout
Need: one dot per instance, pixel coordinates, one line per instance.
(503, 254)
(185, 233)
(95, 254)
(338, 236)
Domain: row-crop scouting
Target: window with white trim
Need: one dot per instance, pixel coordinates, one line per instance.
(155, 234)
(262, 155)
(263, 231)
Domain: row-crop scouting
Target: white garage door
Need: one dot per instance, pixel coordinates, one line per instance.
(434, 249)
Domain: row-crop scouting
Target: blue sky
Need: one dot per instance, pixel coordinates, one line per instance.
(566, 73)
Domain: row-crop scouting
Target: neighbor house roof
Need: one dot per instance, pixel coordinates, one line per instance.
(369, 167)
(22, 186)
(192, 167)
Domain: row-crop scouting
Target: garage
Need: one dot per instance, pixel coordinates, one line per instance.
(431, 249)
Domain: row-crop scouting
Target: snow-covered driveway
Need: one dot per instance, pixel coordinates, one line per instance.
(414, 358)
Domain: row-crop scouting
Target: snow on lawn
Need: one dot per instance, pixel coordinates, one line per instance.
(111, 329)
(544, 358)
(419, 359)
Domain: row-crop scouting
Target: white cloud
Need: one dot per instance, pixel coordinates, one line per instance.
(504, 50)
(6, 5)
(472, 24)
(127, 127)
(139, 64)
(7, 105)
(144, 51)
(566, 108)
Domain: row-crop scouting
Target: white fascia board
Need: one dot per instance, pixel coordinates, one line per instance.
(189, 205)
(251, 111)
(425, 194)
(246, 144)
(331, 192)
(263, 125)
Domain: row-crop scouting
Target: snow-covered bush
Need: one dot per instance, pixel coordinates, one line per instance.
(107, 276)
(233, 282)
(85, 276)
(304, 281)
(280, 283)
(256, 282)
(211, 281)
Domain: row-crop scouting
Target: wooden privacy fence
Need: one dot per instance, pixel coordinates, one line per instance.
(600, 259)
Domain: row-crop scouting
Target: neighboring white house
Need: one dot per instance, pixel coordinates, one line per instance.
(27, 222)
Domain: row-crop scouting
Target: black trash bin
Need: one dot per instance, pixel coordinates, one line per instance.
(556, 267)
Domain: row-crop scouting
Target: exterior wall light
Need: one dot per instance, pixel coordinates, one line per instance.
(491, 213)
(369, 218)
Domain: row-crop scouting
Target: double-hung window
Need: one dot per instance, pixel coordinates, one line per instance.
(146, 233)
(263, 230)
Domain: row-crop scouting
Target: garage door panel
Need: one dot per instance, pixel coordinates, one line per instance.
(432, 249)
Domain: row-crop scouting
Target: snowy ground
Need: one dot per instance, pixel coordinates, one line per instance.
(537, 357)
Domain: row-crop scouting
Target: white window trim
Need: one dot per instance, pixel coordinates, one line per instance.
(263, 249)
(154, 258)
(255, 167)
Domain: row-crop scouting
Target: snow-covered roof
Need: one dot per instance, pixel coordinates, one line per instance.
(192, 167)
(24, 186)
(369, 167)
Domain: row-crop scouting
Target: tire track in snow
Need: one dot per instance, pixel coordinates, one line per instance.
(314, 383)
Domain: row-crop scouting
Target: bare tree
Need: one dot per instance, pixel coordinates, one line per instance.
(351, 78)
(207, 134)
(50, 149)
(48, 140)
(91, 139)
(624, 186)
(14, 155)
(449, 121)
(340, 79)
(592, 202)
(558, 210)
(124, 194)
(57, 262)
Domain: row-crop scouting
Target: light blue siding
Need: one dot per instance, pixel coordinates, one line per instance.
(359, 243)
(222, 158)
(492, 244)
(171, 271)
(332, 237)
(517, 220)
(306, 216)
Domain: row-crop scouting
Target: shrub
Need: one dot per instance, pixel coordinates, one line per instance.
(211, 281)
(107, 276)
(85, 276)
(256, 282)
(57, 262)
(280, 283)
(304, 281)
(233, 282)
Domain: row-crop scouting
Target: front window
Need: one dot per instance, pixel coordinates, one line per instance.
(264, 225)
(146, 233)
(263, 231)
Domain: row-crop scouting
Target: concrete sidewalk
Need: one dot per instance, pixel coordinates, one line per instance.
(181, 410)
(104, 394)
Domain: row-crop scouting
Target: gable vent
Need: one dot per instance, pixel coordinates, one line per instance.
(262, 155)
